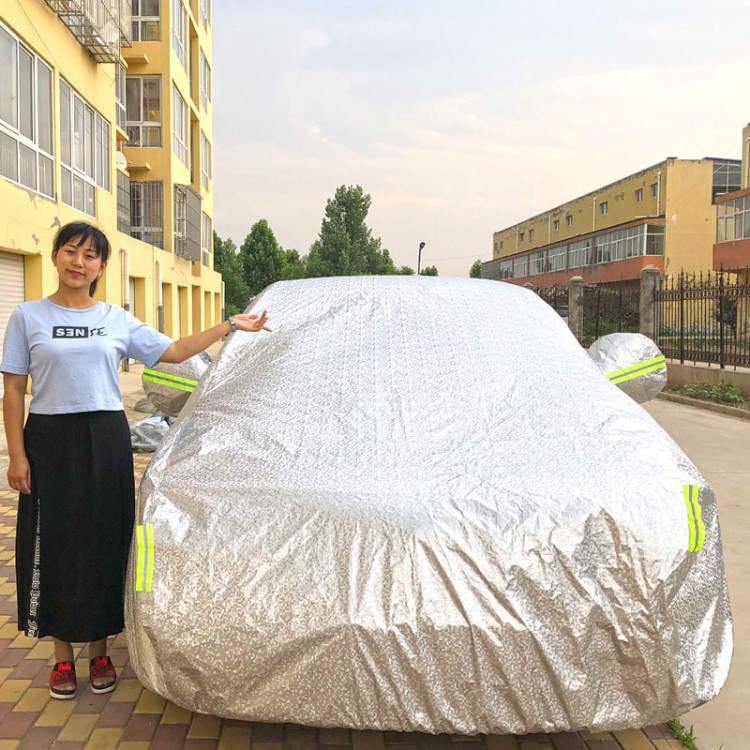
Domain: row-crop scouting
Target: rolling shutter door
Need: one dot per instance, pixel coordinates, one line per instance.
(11, 290)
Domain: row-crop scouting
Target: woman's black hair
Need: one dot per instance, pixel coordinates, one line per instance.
(83, 231)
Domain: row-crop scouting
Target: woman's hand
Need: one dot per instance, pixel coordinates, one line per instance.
(252, 323)
(19, 475)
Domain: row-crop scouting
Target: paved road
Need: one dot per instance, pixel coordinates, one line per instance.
(720, 447)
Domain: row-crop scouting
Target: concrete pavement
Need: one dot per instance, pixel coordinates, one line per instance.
(132, 718)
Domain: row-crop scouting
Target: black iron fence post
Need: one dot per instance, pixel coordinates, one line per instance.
(682, 319)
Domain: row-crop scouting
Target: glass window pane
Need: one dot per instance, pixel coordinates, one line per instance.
(65, 130)
(46, 185)
(77, 193)
(8, 156)
(151, 32)
(8, 79)
(66, 192)
(28, 166)
(89, 142)
(152, 99)
(26, 93)
(133, 86)
(151, 135)
(88, 196)
(104, 183)
(44, 106)
(78, 136)
(150, 8)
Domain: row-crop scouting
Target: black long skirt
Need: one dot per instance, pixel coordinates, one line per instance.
(73, 531)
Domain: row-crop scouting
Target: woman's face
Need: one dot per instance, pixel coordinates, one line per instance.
(78, 263)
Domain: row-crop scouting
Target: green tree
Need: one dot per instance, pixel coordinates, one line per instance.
(294, 266)
(227, 263)
(345, 245)
(262, 258)
(476, 270)
(405, 271)
(429, 271)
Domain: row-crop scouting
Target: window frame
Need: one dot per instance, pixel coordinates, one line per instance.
(179, 32)
(137, 126)
(139, 22)
(148, 232)
(204, 75)
(206, 162)
(27, 144)
(89, 158)
(180, 146)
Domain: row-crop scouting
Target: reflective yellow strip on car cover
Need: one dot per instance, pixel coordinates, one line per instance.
(144, 560)
(170, 381)
(696, 529)
(638, 369)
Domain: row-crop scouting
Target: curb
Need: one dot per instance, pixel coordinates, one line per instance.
(730, 411)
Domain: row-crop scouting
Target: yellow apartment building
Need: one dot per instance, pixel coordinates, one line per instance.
(663, 215)
(105, 116)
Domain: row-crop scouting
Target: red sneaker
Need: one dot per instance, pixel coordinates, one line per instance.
(62, 681)
(102, 674)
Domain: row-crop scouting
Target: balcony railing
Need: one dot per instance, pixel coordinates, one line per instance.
(101, 26)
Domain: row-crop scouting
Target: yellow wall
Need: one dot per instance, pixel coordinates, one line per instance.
(585, 211)
(689, 217)
(28, 221)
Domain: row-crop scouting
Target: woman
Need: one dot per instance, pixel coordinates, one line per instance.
(72, 462)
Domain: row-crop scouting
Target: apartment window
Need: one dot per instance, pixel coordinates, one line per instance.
(25, 117)
(179, 31)
(496, 246)
(146, 21)
(531, 234)
(556, 224)
(506, 269)
(521, 266)
(205, 12)
(84, 151)
(654, 189)
(501, 244)
(123, 202)
(147, 212)
(639, 195)
(579, 254)
(537, 262)
(187, 223)
(557, 257)
(520, 236)
(206, 238)
(603, 208)
(179, 126)
(144, 110)
(205, 81)
(205, 161)
(569, 220)
(121, 115)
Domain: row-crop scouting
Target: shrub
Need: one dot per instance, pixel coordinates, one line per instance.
(722, 393)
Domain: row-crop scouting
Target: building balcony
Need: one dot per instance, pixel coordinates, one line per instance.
(101, 26)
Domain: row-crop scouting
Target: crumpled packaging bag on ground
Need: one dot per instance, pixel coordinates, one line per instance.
(633, 362)
(417, 505)
(168, 386)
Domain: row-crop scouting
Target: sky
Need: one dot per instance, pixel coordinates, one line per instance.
(461, 118)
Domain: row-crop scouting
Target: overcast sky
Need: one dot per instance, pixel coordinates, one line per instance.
(461, 118)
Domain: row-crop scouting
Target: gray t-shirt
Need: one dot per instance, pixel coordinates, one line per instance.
(73, 355)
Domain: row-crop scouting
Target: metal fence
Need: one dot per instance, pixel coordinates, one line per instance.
(609, 309)
(556, 297)
(704, 318)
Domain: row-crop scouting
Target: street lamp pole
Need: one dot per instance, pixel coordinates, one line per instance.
(419, 257)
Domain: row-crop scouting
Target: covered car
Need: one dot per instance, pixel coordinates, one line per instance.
(419, 505)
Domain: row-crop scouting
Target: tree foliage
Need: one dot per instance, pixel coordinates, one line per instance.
(262, 259)
(476, 270)
(227, 263)
(344, 247)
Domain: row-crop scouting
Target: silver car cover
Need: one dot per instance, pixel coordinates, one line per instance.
(168, 386)
(633, 362)
(416, 504)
